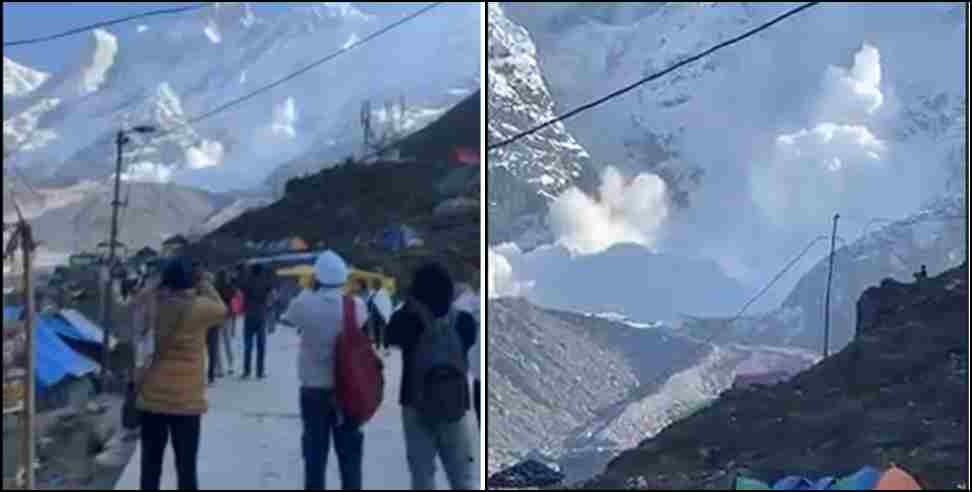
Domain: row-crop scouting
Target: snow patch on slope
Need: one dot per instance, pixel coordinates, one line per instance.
(94, 75)
(19, 80)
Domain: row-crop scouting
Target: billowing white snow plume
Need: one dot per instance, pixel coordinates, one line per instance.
(206, 154)
(816, 171)
(853, 95)
(501, 281)
(95, 73)
(720, 120)
(625, 212)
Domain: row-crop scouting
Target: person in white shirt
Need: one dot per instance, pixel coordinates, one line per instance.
(318, 314)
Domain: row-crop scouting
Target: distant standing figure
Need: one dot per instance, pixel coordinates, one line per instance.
(922, 275)
(227, 291)
(256, 292)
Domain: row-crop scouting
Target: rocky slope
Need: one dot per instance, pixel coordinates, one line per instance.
(934, 237)
(167, 70)
(578, 388)
(348, 207)
(897, 394)
(525, 176)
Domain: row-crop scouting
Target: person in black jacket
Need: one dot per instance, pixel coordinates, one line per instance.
(432, 286)
(256, 291)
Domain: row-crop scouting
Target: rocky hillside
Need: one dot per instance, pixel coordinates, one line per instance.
(432, 136)
(524, 176)
(75, 218)
(577, 388)
(897, 394)
(347, 208)
(934, 237)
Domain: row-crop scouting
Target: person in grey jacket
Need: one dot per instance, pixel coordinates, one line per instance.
(318, 315)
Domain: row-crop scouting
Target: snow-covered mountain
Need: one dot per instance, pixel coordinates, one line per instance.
(860, 121)
(167, 71)
(19, 80)
(525, 176)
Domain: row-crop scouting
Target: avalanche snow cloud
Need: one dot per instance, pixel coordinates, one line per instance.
(814, 171)
(625, 212)
(501, 281)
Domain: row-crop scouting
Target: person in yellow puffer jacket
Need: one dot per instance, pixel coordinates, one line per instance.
(172, 392)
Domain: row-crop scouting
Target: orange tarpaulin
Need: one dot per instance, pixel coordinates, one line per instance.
(897, 479)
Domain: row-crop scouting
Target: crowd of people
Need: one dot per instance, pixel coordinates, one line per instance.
(187, 324)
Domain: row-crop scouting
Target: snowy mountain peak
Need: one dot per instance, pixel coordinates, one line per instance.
(19, 80)
(531, 172)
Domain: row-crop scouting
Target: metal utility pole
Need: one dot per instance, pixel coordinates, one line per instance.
(830, 276)
(27, 247)
(120, 140)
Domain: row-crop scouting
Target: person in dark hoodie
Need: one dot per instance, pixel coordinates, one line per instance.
(256, 292)
(435, 340)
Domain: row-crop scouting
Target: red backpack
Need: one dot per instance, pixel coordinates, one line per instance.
(360, 382)
(237, 303)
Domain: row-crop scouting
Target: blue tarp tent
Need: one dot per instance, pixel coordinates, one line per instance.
(54, 359)
(399, 237)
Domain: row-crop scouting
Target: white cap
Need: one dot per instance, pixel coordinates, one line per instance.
(330, 269)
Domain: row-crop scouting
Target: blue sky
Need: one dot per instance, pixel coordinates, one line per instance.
(31, 19)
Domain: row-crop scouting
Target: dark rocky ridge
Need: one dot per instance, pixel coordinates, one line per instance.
(897, 394)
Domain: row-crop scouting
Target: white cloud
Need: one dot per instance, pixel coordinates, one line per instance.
(207, 154)
(141, 28)
(501, 281)
(853, 95)
(284, 118)
(106, 47)
(627, 212)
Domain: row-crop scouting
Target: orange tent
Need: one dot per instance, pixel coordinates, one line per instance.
(897, 479)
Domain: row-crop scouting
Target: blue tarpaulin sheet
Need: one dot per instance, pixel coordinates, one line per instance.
(54, 359)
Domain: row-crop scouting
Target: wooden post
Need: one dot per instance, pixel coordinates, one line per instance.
(27, 246)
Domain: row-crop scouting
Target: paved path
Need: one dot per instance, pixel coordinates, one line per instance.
(251, 435)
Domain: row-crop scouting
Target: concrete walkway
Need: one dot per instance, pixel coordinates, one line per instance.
(251, 435)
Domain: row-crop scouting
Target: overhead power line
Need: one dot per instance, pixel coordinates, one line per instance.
(650, 78)
(97, 25)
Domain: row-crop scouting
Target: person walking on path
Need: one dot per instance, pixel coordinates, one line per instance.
(227, 330)
(435, 340)
(171, 393)
(256, 291)
(319, 314)
(379, 313)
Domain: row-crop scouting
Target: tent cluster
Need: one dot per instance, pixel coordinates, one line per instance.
(65, 344)
(866, 478)
(290, 244)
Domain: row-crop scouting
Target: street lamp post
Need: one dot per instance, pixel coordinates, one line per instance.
(120, 140)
